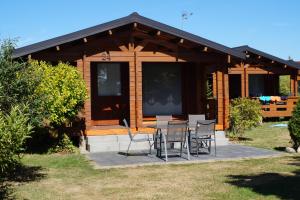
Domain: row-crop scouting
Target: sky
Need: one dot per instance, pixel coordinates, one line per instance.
(272, 26)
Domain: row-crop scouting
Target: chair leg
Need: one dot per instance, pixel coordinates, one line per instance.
(166, 154)
(215, 147)
(128, 148)
(209, 147)
(187, 148)
(181, 146)
(197, 146)
(150, 146)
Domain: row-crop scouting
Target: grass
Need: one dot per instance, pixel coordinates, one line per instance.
(72, 177)
(268, 137)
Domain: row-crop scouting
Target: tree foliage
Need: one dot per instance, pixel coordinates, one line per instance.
(244, 114)
(12, 89)
(294, 126)
(62, 90)
(53, 95)
(14, 129)
(284, 85)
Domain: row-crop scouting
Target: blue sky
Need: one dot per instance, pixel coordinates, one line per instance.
(268, 25)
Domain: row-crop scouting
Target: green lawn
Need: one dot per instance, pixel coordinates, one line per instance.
(72, 177)
(268, 137)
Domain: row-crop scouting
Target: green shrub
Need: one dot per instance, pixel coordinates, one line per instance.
(244, 114)
(14, 129)
(294, 126)
(61, 89)
(63, 145)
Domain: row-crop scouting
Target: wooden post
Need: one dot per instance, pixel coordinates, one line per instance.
(214, 74)
(139, 91)
(226, 97)
(220, 97)
(294, 84)
(86, 66)
(246, 79)
(132, 94)
(243, 89)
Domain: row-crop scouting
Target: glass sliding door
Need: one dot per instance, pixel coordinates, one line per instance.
(162, 89)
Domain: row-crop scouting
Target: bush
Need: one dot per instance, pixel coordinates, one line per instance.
(62, 91)
(63, 145)
(244, 114)
(14, 129)
(53, 94)
(294, 126)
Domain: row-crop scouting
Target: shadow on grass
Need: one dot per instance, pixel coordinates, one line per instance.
(284, 186)
(279, 149)
(22, 174)
(240, 139)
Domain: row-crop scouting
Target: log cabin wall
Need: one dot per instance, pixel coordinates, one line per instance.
(133, 46)
(196, 76)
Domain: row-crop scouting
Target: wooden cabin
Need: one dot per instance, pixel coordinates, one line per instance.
(136, 68)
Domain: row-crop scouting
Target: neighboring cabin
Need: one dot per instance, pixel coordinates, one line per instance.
(136, 68)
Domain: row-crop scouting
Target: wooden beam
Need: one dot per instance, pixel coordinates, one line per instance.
(141, 45)
(57, 48)
(85, 40)
(228, 59)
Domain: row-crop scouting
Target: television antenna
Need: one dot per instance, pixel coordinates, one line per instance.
(185, 15)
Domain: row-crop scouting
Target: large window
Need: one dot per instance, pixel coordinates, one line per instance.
(256, 85)
(161, 89)
(109, 79)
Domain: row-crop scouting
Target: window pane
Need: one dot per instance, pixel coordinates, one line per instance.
(161, 89)
(109, 79)
(256, 85)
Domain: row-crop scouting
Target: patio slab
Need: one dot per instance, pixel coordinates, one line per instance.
(140, 158)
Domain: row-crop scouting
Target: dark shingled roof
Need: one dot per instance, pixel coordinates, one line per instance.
(132, 18)
(290, 63)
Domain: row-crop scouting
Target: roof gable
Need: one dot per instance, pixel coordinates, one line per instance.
(132, 18)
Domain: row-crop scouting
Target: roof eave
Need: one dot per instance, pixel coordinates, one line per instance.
(132, 18)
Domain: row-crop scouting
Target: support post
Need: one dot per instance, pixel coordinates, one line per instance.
(132, 94)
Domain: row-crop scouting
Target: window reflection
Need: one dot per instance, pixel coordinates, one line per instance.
(109, 79)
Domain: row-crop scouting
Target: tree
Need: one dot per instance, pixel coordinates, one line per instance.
(294, 126)
(284, 85)
(12, 89)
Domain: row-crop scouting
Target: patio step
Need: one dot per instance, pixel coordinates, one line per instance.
(108, 143)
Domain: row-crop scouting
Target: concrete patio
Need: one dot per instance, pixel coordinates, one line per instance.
(140, 158)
